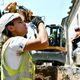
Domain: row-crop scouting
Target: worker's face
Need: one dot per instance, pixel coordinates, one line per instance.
(77, 33)
(20, 27)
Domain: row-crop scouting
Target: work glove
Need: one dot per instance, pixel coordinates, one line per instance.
(36, 21)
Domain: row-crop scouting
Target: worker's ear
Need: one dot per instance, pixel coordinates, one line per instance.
(10, 28)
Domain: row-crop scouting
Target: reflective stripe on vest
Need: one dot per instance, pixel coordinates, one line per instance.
(24, 72)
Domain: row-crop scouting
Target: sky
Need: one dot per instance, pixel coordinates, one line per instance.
(51, 10)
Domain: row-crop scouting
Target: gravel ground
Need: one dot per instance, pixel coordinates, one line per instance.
(69, 73)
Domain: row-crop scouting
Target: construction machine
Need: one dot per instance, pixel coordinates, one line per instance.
(55, 53)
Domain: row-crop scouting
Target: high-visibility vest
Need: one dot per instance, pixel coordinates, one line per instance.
(26, 70)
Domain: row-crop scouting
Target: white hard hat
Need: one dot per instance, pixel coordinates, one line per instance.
(6, 18)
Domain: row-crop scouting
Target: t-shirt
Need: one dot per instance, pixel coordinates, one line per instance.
(15, 47)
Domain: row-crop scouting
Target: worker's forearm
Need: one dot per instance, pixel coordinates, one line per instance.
(42, 33)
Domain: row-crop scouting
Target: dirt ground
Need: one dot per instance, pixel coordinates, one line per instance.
(57, 73)
(46, 73)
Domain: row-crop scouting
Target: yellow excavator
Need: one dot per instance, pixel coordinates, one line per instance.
(55, 53)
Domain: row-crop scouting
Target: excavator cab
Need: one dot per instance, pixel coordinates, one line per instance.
(56, 36)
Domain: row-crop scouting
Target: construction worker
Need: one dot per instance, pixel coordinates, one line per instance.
(16, 61)
(76, 44)
(76, 38)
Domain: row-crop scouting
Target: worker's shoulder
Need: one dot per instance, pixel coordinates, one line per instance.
(15, 42)
(15, 39)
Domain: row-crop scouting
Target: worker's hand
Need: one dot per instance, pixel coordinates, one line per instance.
(36, 21)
